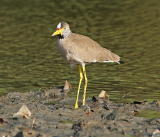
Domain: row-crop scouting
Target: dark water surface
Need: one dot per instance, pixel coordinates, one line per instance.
(29, 59)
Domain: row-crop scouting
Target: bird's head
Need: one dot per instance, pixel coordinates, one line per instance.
(62, 30)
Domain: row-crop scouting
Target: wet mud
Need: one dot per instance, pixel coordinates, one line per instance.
(52, 114)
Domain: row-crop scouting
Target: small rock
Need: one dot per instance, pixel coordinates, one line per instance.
(67, 86)
(103, 95)
(23, 112)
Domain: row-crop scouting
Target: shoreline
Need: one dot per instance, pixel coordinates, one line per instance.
(53, 115)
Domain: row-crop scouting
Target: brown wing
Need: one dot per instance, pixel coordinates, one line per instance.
(89, 50)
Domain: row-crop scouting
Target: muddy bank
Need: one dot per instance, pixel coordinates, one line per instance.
(53, 115)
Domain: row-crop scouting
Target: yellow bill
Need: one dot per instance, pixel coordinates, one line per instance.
(58, 32)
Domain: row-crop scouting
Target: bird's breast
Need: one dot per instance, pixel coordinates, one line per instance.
(63, 48)
(68, 52)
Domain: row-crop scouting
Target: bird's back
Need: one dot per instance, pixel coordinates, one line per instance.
(87, 50)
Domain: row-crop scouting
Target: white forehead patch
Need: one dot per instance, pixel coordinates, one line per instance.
(59, 26)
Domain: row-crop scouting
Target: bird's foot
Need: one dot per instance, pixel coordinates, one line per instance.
(76, 106)
(84, 103)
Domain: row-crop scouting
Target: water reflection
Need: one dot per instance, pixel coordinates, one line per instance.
(29, 58)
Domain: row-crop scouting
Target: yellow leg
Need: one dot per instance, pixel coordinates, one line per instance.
(85, 84)
(79, 86)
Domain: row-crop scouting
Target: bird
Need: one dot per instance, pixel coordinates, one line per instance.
(80, 50)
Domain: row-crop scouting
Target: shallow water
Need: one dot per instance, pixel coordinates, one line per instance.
(29, 59)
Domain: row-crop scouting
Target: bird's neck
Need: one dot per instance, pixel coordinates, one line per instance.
(65, 35)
